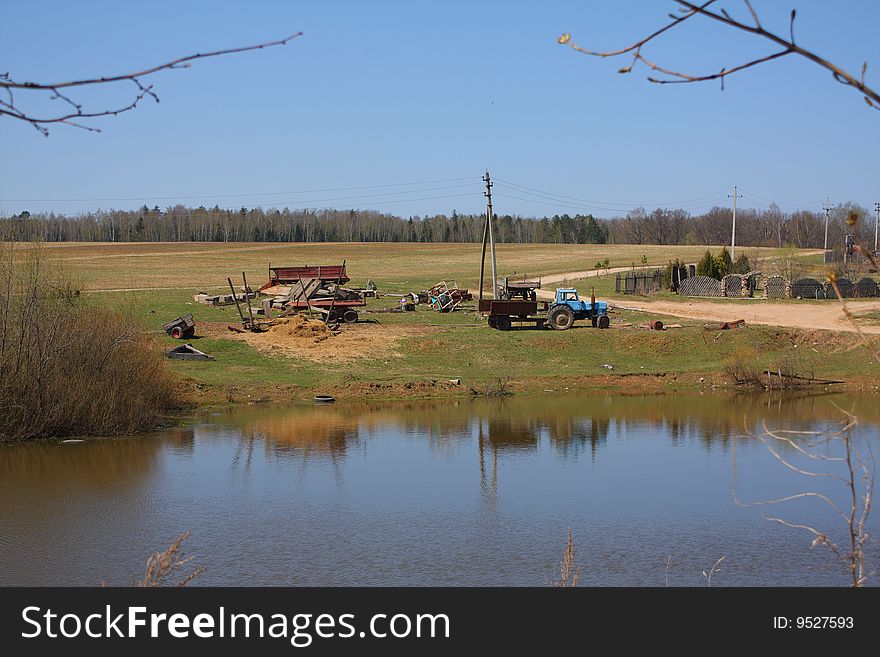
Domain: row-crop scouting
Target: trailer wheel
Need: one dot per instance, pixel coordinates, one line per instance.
(177, 333)
(350, 316)
(333, 316)
(561, 318)
(491, 322)
(502, 323)
(604, 321)
(190, 332)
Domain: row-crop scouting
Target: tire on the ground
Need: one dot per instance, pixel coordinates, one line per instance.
(604, 321)
(561, 318)
(350, 316)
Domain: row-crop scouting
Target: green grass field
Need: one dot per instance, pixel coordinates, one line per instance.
(447, 346)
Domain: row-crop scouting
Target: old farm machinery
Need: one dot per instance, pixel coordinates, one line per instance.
(516, 301)
(317, 288)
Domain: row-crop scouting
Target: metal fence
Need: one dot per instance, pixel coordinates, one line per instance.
(638, 282)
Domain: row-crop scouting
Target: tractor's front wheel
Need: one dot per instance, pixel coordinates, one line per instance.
(561, 318)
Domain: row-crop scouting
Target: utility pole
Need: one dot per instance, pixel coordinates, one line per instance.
(827, 208)
(876, 223)
(488, 232)
(733, 230)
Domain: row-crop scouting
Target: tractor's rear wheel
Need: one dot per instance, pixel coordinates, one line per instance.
(561, 318)
(604, 321)
(502, 323)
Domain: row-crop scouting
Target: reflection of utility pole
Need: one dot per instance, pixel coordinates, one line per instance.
(488, 232)
(733, 230)
(827, 208)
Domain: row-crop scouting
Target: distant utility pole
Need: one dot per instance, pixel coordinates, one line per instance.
(876, 223)
(827, 208)
(733, 230)
(488, 232)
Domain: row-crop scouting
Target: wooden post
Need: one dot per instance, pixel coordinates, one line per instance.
(306, 296)
(235, 298)
(335, 293)
(247, 300)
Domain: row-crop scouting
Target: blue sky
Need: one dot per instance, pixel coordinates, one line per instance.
(401, 106)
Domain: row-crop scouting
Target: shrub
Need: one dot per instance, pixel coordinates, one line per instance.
(67, 367)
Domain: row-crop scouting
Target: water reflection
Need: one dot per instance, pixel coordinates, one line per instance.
(414, 492)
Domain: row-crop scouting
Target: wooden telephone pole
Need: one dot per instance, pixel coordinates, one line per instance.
(488, 233)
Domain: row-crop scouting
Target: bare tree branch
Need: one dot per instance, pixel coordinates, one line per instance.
(77, 112)
(689, 9)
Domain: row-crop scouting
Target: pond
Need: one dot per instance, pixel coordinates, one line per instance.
(655, 489)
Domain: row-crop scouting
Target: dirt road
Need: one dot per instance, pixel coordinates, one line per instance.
(826, 315)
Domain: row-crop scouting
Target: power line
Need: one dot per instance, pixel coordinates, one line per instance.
(595, 203)
(305, 204)
(199, 196)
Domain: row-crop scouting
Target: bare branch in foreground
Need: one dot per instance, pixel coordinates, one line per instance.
(689, 10)
(858, 482)
(76, 111)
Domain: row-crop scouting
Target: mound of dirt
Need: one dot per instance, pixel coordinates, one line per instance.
(299, 328)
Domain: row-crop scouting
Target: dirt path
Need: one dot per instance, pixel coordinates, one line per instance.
(829, 316)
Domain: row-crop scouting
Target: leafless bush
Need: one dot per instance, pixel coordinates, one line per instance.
(838, 457)
(166, 563)
(497, 387)
(787, 265)
(742, 372)
(569, 574)
(69, 368)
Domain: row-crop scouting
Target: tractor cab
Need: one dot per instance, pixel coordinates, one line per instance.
(568, 307)
(570, 298)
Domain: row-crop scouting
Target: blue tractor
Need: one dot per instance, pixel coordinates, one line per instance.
(568, 307)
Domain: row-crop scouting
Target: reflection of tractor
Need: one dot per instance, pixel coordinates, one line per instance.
(568, 307)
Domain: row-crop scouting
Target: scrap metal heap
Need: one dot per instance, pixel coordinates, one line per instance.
(445, 296)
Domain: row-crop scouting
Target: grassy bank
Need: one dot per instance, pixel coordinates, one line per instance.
(393, 355)
(411, 350)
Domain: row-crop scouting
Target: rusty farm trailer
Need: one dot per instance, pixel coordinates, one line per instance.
(315, 287)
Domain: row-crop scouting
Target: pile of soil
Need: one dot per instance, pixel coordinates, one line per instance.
(299, 327)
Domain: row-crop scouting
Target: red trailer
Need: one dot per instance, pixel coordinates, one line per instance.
(317, 287)
(291, 275)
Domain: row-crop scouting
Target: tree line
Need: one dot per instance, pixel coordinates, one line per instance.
(768, 227)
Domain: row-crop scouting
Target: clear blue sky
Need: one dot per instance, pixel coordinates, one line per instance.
(381, 93)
